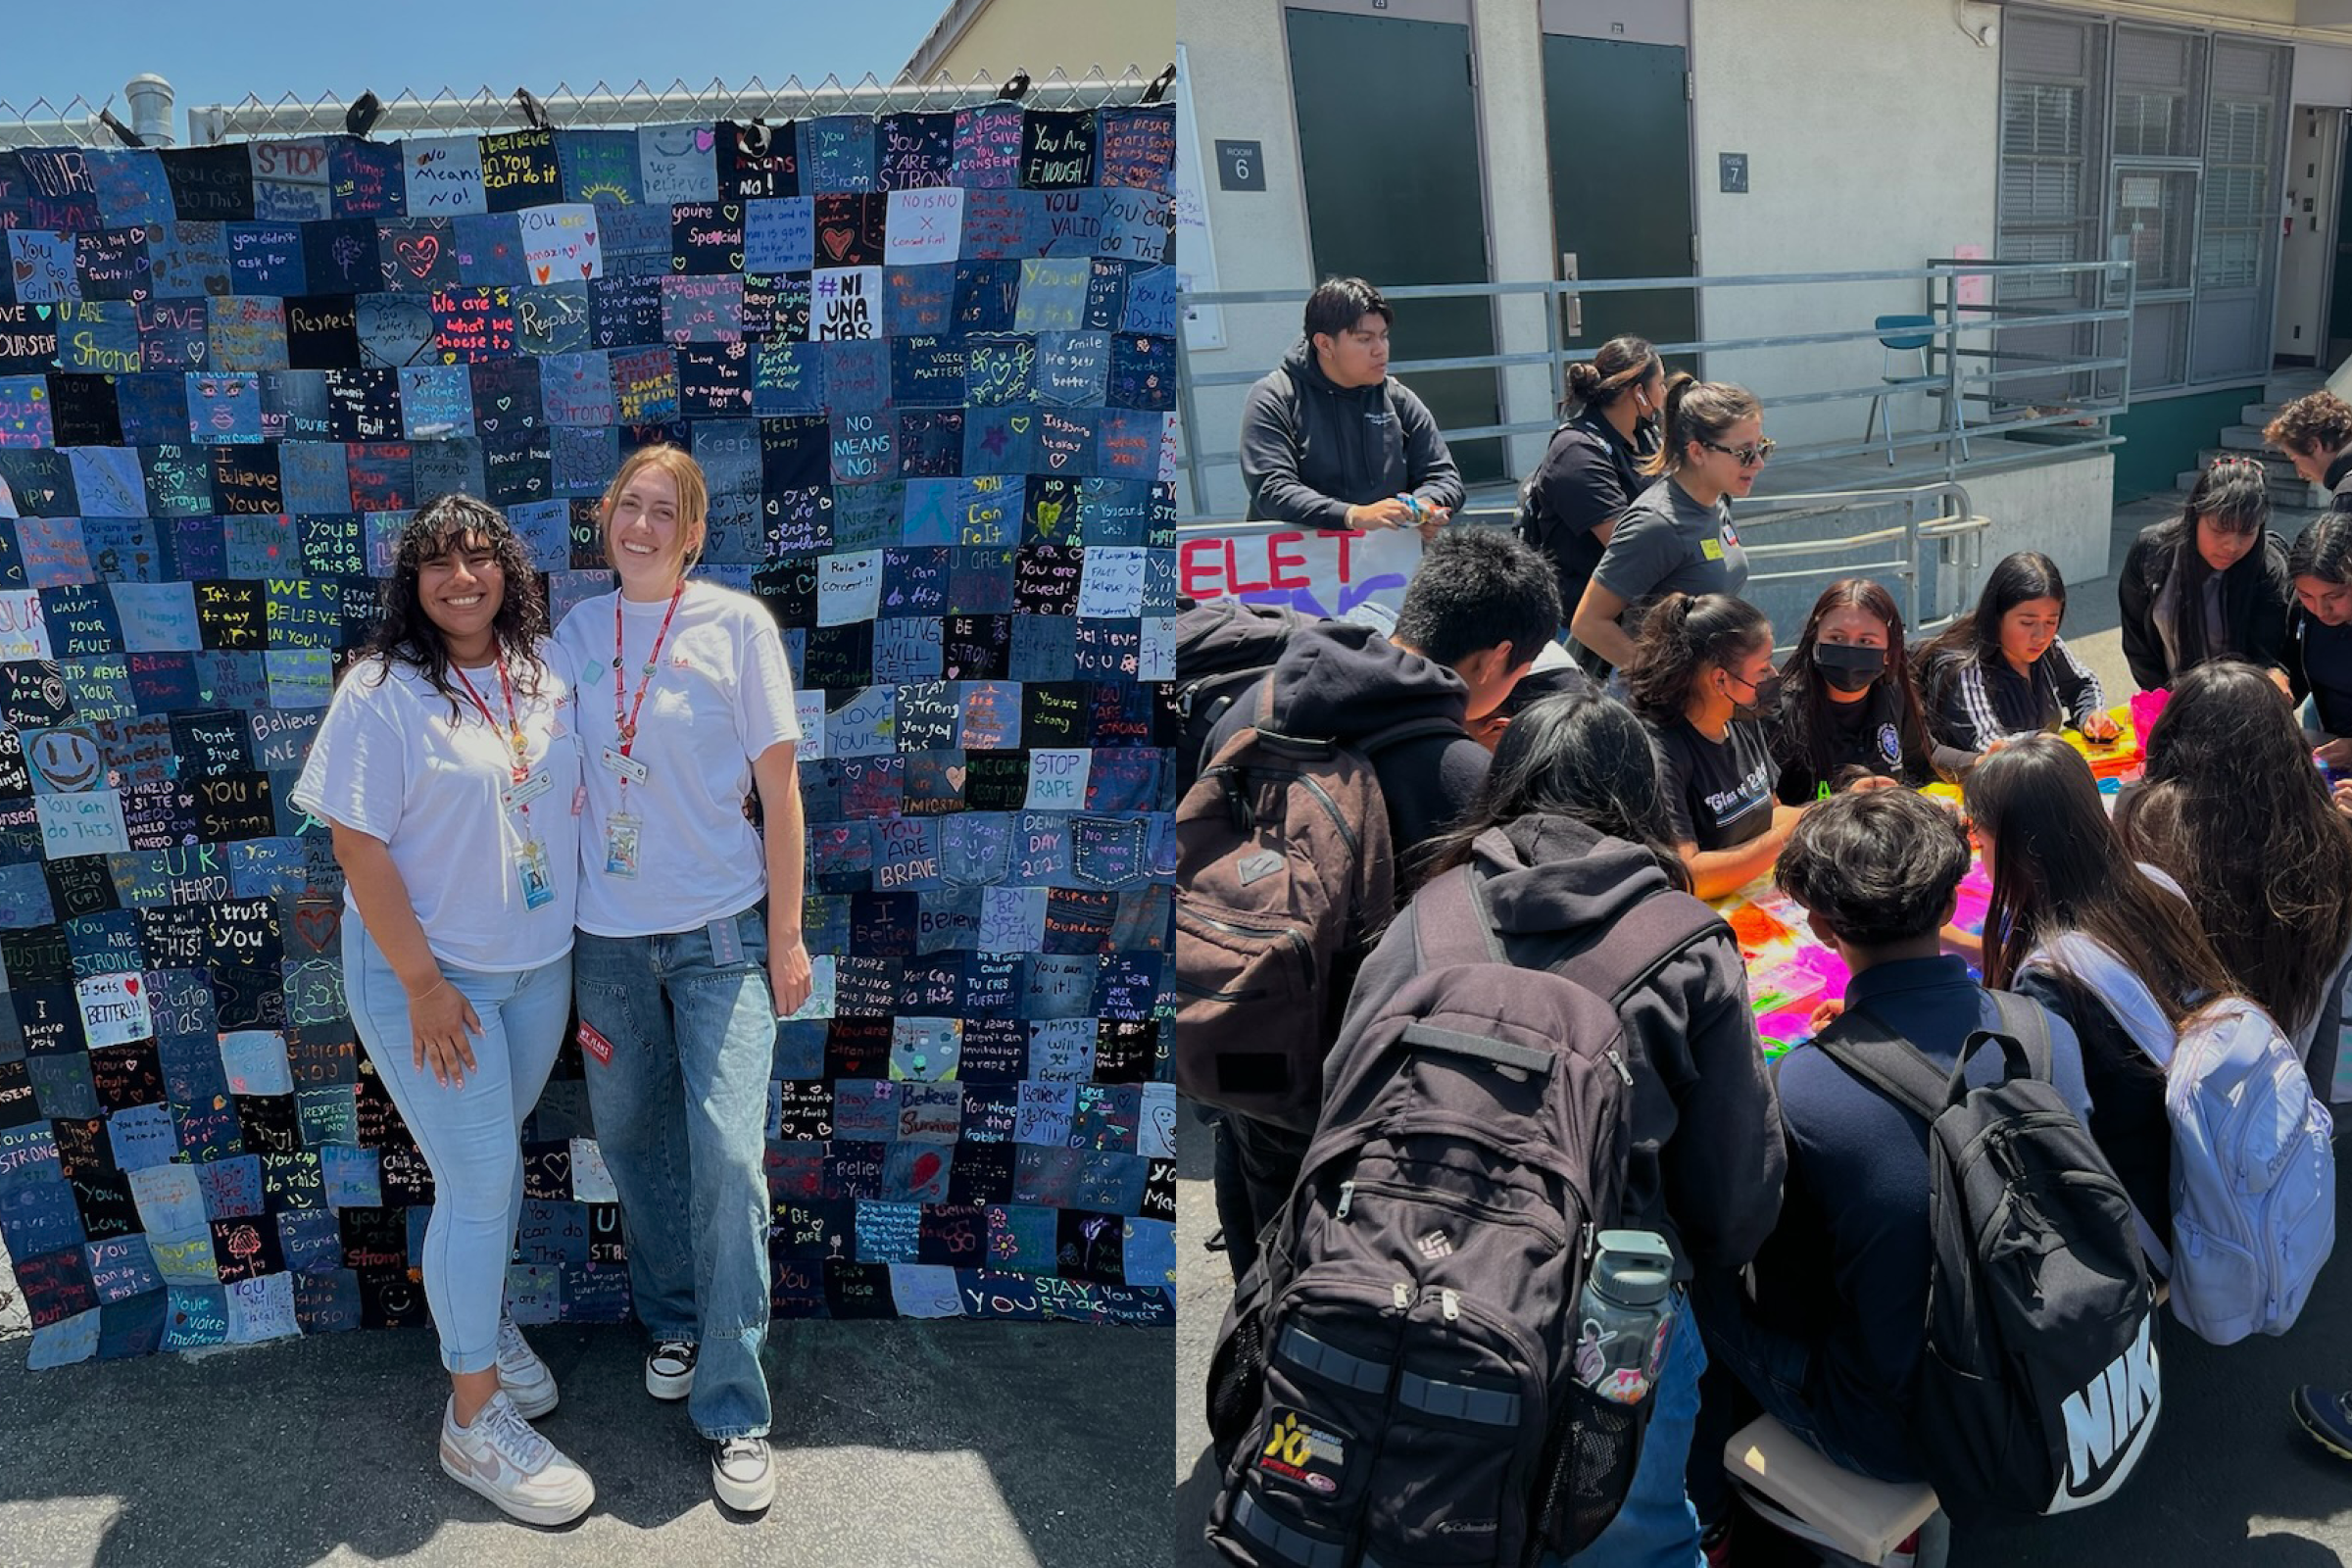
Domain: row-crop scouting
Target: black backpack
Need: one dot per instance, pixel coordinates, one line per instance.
(2039, 1389)
(1223, 648)
(1395, 1381)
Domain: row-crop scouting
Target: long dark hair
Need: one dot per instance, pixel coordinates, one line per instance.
(1696, 411)
(2058, 865)
(1582, 756)
(2012, 580)
(1619, 365)
(404, 632)
(2233, 809)
(2323, 549)
(2235, 496)
(1802, 700)
(1681, 636)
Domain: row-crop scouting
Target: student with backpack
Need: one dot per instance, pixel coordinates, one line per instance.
(1591, 470)
(2232, 807)
(1931, 1099)
(1551, 1042)
(2236, 1204)
(1349, 752)
(1702, 679)
(1575, 855)
(2004, 670)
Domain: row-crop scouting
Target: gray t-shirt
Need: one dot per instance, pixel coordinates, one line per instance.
(1668, 543)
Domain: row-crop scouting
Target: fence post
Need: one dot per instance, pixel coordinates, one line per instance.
(1189, 412)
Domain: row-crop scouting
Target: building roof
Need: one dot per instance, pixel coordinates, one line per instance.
(951, 27)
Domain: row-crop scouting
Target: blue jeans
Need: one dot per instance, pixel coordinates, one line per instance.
(1657, 1525)
(471, 1137)
(681, 1116)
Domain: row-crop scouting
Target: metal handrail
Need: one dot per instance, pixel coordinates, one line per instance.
(1959, 383)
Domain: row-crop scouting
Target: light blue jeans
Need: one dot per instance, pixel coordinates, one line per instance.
(471, 1137)
(681, 1116)
(1658, 1526)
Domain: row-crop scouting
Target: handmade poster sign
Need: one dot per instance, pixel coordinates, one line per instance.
(926, 363)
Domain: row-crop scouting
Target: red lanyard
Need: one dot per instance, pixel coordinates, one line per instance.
(514, 737)
(627, 725)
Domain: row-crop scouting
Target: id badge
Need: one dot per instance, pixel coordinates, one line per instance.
(726, 943)
(532, 867)
(621, 844)
(517, 796)
(627, 767)
(1712, 549)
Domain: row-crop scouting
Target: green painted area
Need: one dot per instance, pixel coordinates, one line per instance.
(2162, 439)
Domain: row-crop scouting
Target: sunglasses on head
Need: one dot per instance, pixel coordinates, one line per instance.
(1749, 455)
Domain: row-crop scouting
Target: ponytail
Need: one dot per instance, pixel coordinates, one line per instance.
(1696, 411)
(1681, 635)
(1616, 368)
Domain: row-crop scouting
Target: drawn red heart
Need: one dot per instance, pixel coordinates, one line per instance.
(587, 268)
(130, 983)
(418, 253)
(926, 1166)
(838, 241)
(544, 270)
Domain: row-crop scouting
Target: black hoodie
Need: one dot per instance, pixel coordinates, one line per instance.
(1336, 680)
(1312, 449)
(2256, 594)
(1706, 1164)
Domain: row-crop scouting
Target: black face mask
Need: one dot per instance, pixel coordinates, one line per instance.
(1849, 668)
(1763, 702)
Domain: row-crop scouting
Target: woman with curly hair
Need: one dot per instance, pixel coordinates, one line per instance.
(2232, 809)
(446, 767)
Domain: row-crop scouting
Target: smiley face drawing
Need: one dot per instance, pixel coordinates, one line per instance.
(65, 762)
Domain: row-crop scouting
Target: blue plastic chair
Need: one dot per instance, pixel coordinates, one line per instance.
(1908, 335)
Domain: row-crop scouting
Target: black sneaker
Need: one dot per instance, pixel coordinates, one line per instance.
(2328, 1416)
(669, 1369)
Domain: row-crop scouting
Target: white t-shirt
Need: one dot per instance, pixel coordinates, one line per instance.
(391, 761)
(722, 696)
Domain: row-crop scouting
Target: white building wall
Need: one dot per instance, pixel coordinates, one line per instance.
(1871, 131)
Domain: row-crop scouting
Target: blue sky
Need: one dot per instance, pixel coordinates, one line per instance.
(217, 51)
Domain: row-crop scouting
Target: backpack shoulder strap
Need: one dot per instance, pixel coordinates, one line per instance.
(2021, 1021)
(1861, 1043)
(2093, 964)
(1638, 944)
(1450, 924)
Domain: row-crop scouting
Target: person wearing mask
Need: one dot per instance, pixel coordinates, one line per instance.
(2318, 636)
(690, 944)
(2315, 433)
(446, 768)
(2233, 811)
(1849, 715)
(1591, 470)
(1331, 440)
(2004, 670)
(1567, 835)
(1677, 535)
(2211, 582)
(1702, 679)
(2059, 868)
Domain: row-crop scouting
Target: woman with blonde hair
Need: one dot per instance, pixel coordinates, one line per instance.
(690, 943)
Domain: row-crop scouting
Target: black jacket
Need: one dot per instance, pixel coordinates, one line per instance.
(1706, 1163)
(1310, 450)
(2255, 595)
(1336, 680)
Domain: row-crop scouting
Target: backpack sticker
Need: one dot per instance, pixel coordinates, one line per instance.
(1312, 1456)
(1264, 863)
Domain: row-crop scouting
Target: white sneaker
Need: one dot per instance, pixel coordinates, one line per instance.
(522, 1376)
(669, 1369)
(743, 1473)
(501, 1458)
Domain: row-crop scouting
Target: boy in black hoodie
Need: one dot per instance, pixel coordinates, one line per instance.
(1331, 440)
(1472, 622)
